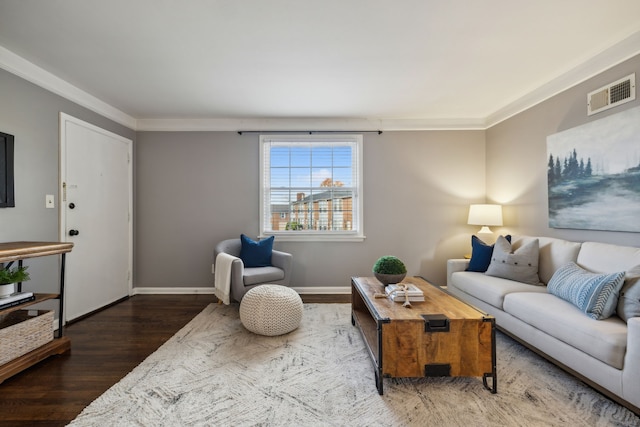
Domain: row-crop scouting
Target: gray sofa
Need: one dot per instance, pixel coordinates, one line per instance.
(603, 353)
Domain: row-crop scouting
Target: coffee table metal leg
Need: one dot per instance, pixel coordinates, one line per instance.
(494, 369)
(378, 365)
(378, 374)
(494, 383)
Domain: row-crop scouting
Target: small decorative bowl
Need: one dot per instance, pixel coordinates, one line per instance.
(387, 279)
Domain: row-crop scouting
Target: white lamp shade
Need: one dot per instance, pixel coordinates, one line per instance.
(485, 215)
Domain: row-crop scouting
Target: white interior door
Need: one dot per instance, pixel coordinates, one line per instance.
(95, 214)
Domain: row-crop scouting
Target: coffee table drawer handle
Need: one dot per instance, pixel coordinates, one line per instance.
(437, 370)
(435, 323)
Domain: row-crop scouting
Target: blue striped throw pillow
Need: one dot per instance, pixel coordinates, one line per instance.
(594, 294)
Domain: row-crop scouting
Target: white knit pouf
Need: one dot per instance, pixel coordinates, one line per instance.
(271, 310)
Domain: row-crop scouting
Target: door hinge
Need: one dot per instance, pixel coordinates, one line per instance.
(64, 191)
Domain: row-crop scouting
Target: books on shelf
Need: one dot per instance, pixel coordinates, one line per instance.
(16, 299)
(397, 292)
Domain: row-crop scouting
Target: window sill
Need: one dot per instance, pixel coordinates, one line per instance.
(313, 237)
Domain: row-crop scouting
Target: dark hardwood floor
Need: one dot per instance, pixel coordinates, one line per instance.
(104, 348)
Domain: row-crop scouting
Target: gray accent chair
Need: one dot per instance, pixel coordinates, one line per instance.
(243, 279)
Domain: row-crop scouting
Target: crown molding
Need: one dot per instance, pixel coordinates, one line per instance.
(603, 61)
(606, 59)
(433, 124)
(306, 124)
(251, 124)
(19, 66)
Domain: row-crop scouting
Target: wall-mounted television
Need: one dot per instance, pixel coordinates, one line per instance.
(7, 199)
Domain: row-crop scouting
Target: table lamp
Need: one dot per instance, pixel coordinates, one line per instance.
(485, 215)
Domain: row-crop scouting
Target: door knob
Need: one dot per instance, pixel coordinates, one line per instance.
(72, 205)
(73, 232)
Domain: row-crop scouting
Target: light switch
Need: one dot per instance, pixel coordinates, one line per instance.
(49, 201)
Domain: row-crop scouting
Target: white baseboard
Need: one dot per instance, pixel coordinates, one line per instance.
(324, 290)
(167, 291)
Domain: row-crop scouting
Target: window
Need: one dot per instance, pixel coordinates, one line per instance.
(316, 181)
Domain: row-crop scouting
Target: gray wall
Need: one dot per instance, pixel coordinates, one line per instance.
(517, 158)
(31, 114)
(194, 189)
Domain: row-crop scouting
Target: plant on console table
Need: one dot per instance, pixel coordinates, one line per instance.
(9, 277)
(389, 269)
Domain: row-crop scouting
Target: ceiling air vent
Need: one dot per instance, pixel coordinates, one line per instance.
(616, 93)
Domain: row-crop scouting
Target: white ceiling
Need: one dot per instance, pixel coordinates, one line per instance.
(155, 64)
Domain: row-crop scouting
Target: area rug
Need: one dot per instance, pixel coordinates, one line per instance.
(214, 372)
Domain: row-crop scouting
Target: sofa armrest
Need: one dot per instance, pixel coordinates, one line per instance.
(281, 260)
(631, 371)
(237, 272)
(284, 261)
(454, 265)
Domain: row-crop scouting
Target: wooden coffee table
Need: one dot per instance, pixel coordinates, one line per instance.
(441, 336)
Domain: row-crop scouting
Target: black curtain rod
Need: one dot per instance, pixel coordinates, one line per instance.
(310, 132)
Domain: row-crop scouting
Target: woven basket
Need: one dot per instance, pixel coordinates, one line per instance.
(22, 331)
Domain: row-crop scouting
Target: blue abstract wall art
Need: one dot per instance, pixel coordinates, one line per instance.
(593, 174)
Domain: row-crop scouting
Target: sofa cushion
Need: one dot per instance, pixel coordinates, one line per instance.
(606, 258)
(481, 254)
(491, 290)
(594, 294)
(262, 275)
(629, 300)
(256, 254)
(554, 253)
(604, 340)
(520, 265)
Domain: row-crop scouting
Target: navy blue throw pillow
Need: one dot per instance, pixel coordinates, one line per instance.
(256, 254)
(481, 254)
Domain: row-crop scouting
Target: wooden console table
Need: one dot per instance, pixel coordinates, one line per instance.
(441, 336)
(19, 251)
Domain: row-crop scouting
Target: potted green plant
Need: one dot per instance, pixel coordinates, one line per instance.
(9, 277)
(389, 269)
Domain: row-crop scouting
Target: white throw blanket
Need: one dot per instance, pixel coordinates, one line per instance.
(222, 277)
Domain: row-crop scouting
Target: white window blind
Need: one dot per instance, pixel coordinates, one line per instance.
(311, 187)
